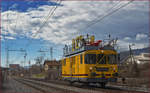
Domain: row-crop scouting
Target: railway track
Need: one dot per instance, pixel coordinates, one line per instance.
(43, 88)
(65, 87)
(98, 87)
(51, 87)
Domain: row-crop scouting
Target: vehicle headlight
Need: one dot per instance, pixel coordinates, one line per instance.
(91, 68)
(114, 68)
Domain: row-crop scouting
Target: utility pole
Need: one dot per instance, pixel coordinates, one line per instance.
(22, 63)
(29, 63)
(131, 59)
(7, 57)
(29, 69)
(41, 58)
(42, 51)
(134, 69)
(51, 52)
(131, 54)
(25, 55)
(109, 37)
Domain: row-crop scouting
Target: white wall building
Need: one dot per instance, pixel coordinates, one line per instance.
(142, 58)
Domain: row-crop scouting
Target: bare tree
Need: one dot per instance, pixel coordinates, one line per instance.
(39, 62)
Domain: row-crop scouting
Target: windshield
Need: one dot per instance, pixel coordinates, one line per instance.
(100, 59)
(112, 59)
(90, 59)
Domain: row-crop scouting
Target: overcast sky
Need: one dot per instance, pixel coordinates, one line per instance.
(20, 21)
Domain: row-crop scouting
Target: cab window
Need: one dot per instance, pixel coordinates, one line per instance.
(112, 59)
(90, 59)
(81, 59)
(101, 59)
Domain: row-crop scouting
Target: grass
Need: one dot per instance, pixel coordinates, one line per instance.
(40, 75)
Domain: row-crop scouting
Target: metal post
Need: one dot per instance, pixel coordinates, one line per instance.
(29, 69)
(51, 52)
(130, 53)
(7, 57)
(25, 58)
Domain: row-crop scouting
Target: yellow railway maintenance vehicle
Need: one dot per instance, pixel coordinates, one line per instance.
(90, 61)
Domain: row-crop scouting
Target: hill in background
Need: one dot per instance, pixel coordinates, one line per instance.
(125, 54)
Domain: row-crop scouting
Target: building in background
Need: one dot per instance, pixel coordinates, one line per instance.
(14, 69)
(52, 69)
(142, 58)
(14, 66)
(137, 64)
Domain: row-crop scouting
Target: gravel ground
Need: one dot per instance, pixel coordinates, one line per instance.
(109, 87)
(63, 88)
(12, 86)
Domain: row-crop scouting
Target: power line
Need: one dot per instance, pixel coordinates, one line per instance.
(43, 23)
(106, 11)
(108, 14)
(7, 54)
(50, 14)
(109, 10)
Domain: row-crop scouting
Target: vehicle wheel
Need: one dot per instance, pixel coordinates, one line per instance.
(86, 84)
(103, 84)
(71, 83)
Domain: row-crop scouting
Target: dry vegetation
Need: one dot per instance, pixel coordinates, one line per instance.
(135, 77)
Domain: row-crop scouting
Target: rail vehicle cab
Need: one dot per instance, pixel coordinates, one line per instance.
(90, 64)
(101, 66)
